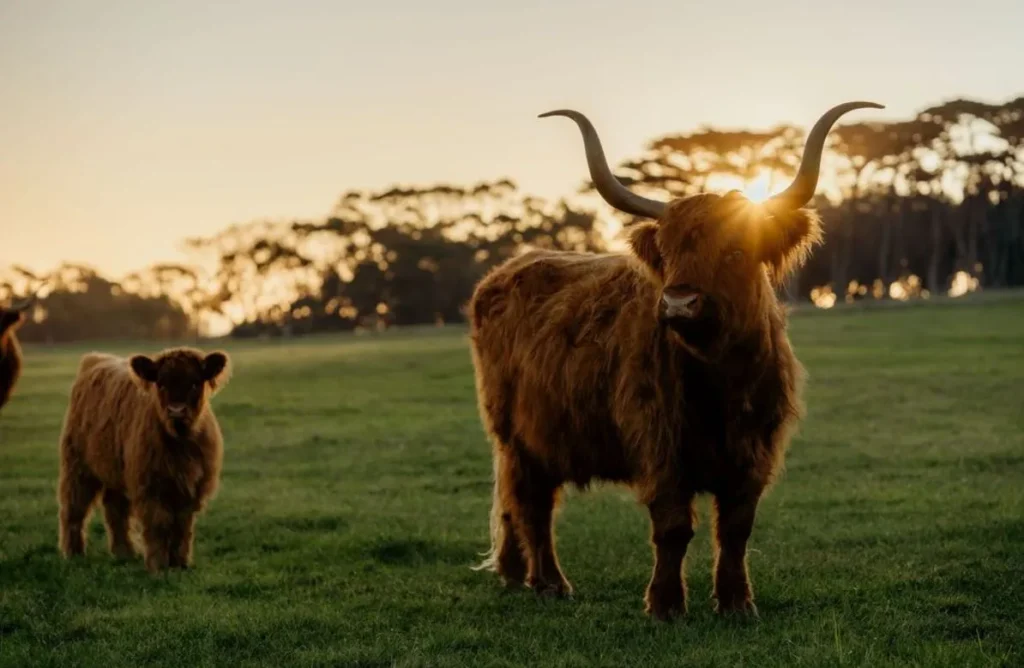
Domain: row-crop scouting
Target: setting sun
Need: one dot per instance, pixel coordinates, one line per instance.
(762, 187)
(758, 189)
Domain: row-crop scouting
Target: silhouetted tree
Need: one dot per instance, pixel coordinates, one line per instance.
(908, 205)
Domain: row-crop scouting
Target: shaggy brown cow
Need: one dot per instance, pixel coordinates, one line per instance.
(10, 351)
(140, 432)
(668, 369)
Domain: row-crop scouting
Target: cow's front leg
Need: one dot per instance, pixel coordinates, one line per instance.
(734, 520)
(671, 530)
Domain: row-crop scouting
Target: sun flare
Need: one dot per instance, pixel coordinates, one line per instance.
(757, 189)
(760, 188)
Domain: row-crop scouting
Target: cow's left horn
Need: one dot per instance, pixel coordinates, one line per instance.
(805, 183)
(607, 185)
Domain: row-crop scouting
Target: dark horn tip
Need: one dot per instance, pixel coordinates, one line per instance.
(556, 112)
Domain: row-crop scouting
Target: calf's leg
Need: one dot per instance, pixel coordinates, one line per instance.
(734, 521)
(157, 529)
(671, 531)
(116, 511)
(182, 533)
(77, 492)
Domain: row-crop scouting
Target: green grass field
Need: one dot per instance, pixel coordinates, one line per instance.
(356, 490)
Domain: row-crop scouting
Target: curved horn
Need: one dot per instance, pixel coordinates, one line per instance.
(608, 186)
(805, 183)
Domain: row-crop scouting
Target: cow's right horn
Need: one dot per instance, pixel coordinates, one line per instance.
(607, 185)
(805, 183)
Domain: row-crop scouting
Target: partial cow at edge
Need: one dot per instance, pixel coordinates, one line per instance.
(668, 369)
(139, 435)
(11, 318)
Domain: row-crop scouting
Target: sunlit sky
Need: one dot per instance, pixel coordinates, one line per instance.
(126, 126)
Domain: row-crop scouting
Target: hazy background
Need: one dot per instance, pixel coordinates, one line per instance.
(127, 126)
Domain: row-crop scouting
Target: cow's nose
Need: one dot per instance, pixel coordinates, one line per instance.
(681, 303)
(176, 410)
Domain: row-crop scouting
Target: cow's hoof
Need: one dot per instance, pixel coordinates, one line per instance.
(744, 609)
(665, 604)
(555, 589)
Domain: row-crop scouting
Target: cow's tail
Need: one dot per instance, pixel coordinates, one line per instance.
(490, 562)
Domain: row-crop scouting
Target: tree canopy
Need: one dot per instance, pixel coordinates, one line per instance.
(929, 205)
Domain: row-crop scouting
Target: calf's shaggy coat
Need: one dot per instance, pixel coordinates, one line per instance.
(140, 434)
(667, 369)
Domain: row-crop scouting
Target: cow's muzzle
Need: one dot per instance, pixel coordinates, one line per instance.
(680, 301)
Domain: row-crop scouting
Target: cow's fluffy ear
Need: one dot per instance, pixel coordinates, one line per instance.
(643, 240)
(787, 240)
(217, 369)
(144, 368)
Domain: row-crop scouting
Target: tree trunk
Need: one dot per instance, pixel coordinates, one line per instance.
(1004, 241)
(959, 219)
(932, 280)
(885, 245)
(975, 215)
(1015, 243)
(841, 260)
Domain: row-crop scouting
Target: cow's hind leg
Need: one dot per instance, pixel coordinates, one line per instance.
(506, 554)
(734, 521)
(672, 523)
(77, 492)
(116, 511)
(529, 497)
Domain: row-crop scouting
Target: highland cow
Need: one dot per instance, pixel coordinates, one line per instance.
(10, 350)
(140, 434)
(667, 369)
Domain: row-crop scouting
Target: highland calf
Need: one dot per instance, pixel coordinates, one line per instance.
(11, 318)
(140, 434)
(667, 369)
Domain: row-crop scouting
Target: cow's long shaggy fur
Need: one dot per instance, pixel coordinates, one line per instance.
(10, 353)
(140, 435)
(582, 375)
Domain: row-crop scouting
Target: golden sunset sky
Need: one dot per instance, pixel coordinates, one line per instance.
(126, 126)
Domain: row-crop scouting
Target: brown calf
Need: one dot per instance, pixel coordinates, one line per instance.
(140, 434)
(667, 369)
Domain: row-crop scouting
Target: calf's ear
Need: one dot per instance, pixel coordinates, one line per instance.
(216, 369)
(144, 368)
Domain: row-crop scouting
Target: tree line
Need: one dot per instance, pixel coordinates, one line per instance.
(925, 206)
